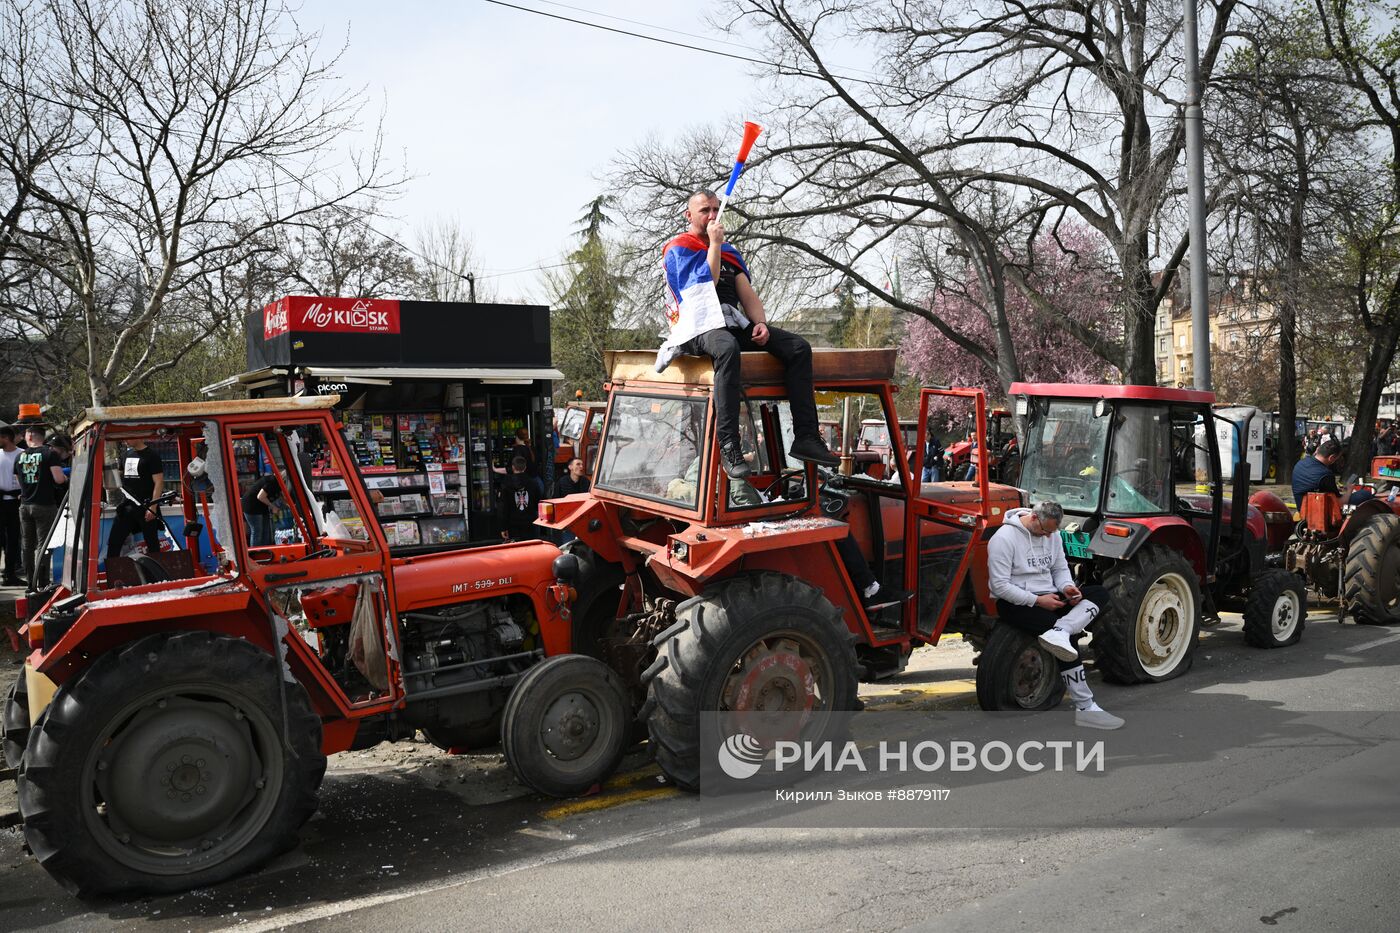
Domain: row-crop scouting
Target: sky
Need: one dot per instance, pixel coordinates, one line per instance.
(507, 120)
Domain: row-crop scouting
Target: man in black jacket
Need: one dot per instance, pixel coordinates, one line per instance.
(519, 505)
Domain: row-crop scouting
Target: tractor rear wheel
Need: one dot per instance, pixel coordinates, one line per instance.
(14, 728)
(754, 645)
(1371, 581)
(1275, 610)
(1015, 673)
(1150, 633)
(165, 766)
(566, 725)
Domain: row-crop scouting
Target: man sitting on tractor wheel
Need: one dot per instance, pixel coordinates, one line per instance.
(714, 311)
(1029, 577)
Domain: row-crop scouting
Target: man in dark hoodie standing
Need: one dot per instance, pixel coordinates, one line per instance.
(520, 498)
(1029, 577)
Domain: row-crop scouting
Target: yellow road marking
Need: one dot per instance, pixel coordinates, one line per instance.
(608, 801)
(941, 689)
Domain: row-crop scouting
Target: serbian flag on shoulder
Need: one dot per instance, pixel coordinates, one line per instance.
(692, 304)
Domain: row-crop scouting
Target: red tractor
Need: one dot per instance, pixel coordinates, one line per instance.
(706, 593)
(1171, 559)
(176, 708)
(1352, 552)
(962, 458)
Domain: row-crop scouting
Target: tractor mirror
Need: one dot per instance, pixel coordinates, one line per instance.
(1101, 408)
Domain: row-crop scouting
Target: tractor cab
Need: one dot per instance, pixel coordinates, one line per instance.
(579, 429)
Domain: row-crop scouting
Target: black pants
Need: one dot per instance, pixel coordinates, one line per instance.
(129, 520)
(856, 564)
(10, 540)
(723, 346)
(1033, 620)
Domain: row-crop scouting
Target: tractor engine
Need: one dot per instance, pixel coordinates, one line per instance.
(1316, 550)
(460, 661)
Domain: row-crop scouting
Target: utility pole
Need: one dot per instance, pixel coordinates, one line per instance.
(471, 287)
(1196, 205)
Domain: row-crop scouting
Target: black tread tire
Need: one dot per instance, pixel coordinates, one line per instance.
(14, 728)
(1361, 581)
(1268, 588)
(710, 633)
(997, 672)
(546, 682)
(1115, 636)
(50, 791)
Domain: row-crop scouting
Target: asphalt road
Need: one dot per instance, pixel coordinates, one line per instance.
(408, 839)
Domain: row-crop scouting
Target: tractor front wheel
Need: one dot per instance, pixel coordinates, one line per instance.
(1150, 633)
(1275, 610)
(566, 725)
(1015, 673)
(176, 762)
(14, 728)
(759, 647)
(1371, 580)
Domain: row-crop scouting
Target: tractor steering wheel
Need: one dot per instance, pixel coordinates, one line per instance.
(779, 487)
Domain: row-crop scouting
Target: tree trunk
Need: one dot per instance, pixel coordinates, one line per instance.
(1139, 316)
(1379, 358)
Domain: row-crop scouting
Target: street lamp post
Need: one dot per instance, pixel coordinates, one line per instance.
(1196, 205)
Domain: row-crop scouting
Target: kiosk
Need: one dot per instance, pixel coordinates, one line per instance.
(432, 395)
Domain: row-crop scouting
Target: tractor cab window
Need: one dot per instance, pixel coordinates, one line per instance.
(765, 433)
(571, 427)
(1065, 447)
(1190, 451)
(654, 448)
(1138, 481)
(874, 435)
(292, 491)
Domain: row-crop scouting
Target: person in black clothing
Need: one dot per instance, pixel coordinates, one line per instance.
(745, 328)
(574, 481)
(258, 504)
(519, 505)
(10, 541)
(1314, 474)
(41, 475)
(143, 481)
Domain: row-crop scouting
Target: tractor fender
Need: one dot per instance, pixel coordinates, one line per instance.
(1167, 530)
(1361, 516)
(1278, 519)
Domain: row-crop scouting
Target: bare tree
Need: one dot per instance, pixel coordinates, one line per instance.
(1362, 38)
(338, 251)
(194, 131)
(450, 269)
(1070, 108)
(1285, 138)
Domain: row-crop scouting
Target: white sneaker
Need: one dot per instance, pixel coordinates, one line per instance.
(1096, 718)
(1057, 643)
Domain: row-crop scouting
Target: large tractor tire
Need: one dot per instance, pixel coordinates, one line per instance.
(763, 643)
(1275, 611)
(1015, 673)
(1371, 580)
(1150, 633)
(165, 766)
(14, 728)
(566, 725)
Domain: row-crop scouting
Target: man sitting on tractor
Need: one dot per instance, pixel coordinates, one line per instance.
(1029, 577)
(714, 311)
(1314, 474)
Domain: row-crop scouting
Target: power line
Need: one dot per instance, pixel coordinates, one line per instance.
(800, 72)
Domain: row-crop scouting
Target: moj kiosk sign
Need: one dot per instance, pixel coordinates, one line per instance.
(317, 330)
(330, 315)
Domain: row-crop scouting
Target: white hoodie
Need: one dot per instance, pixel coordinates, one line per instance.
(1021, 566)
